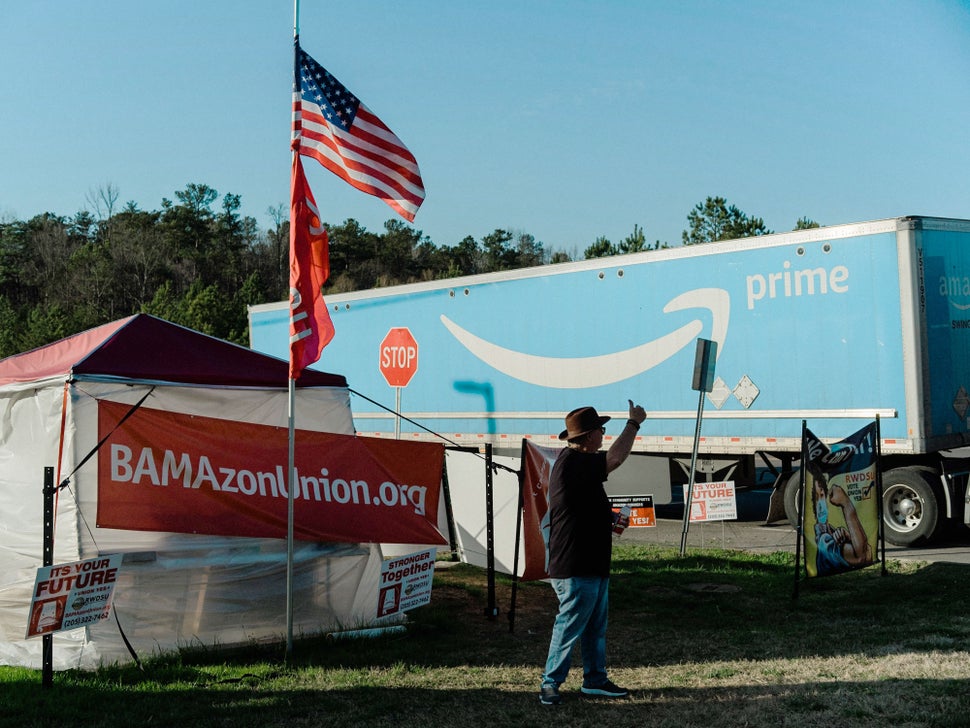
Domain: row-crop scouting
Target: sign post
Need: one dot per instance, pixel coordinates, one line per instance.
(703, 382)
(398, 362)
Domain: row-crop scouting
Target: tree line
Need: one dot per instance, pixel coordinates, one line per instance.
(198, 262)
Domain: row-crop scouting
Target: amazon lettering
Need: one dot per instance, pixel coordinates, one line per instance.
(954, 286)
(789, 283)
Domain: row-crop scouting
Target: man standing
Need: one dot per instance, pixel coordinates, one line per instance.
(580, 549)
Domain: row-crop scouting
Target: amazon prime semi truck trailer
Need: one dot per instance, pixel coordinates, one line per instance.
(832, 325)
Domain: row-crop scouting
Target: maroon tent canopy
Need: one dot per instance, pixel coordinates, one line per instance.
(148, 348)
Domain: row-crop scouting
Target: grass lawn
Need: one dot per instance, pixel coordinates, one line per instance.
(711, 639)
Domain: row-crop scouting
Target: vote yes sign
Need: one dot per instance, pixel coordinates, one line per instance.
(398, 357)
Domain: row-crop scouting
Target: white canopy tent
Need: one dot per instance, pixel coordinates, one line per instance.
(173, 589)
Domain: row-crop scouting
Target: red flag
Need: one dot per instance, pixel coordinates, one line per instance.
(331, 125)
(310, 326)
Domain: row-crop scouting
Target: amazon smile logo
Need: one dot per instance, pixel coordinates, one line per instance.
(595, 371)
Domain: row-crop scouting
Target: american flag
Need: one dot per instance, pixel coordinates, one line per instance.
(331, 125)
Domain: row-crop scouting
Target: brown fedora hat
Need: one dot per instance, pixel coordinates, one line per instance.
(580, 421)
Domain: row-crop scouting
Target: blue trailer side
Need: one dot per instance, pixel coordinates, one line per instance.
(831, 325)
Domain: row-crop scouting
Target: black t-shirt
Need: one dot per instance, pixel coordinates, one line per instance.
(580, 517)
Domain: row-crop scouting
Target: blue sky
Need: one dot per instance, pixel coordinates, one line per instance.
(567, 120)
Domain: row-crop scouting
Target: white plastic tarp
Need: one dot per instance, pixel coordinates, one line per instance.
(466, 484)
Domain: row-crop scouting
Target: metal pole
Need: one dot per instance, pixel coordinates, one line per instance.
(703, 382)
(397, 413)
(491, 610)
(47, 657)
(290, 489)
(689, 494)
(881, 528)
(518, 531)
(291, 403)
(800, 503)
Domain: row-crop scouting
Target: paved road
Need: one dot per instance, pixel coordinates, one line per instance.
(750, 533)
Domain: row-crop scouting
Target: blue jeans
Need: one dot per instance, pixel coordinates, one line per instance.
(583, 606)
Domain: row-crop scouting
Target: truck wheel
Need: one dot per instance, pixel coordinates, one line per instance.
(793, 508)
(910, 506)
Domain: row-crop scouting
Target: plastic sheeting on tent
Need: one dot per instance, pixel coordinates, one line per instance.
(173, 589)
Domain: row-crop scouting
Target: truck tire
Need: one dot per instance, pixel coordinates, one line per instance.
(910, 505)
(793, 508)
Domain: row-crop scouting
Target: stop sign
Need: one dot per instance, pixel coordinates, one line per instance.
(399, 357)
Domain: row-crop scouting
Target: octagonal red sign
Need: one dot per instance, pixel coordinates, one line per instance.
(398, 357)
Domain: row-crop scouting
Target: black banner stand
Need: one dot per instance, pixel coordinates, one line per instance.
(881, 529)
(800, 501)
(47, 673)
(491, 611)
(518, 540)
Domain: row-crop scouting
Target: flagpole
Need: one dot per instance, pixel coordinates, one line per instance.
(291, 416)
(311, 327)
(289, 518)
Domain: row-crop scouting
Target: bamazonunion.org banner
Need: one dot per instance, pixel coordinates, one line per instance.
(167, 471)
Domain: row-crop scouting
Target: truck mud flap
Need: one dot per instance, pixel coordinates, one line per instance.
(776, 506)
